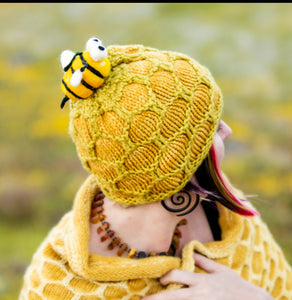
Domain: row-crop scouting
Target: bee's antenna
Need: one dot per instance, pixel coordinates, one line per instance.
(65, 99)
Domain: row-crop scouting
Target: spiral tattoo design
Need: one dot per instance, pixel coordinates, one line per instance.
(181, 203)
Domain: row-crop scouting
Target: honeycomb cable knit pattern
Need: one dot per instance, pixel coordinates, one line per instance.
(146, 130)
(63, 269)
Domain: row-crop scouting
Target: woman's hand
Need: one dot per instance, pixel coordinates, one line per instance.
(221, 283)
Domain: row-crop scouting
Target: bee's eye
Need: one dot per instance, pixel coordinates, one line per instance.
(96, 49)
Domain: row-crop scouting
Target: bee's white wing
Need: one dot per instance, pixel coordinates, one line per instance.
(76, 78)
(66, 57)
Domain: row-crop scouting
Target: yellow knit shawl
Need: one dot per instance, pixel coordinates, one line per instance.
(62, 267)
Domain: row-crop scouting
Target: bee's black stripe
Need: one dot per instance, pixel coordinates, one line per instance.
(87, 85)
(70, 91)
(91, 69)
(95, 72)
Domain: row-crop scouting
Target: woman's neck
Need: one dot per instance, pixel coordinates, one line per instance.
(148, 228)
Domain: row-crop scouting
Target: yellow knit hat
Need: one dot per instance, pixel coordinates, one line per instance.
(147, 128)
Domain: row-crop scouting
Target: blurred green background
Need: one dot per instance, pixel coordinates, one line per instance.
(246, 46)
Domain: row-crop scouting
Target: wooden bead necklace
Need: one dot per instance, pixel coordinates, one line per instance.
(97, 216)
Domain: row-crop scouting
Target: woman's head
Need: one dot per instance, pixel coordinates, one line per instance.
(145, 131)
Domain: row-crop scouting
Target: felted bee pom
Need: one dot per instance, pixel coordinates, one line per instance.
(84, 71)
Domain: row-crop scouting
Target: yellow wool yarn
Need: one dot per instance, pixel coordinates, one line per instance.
(146, 130)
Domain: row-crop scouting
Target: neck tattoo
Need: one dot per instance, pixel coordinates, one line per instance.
(181, 203)
(98, 216)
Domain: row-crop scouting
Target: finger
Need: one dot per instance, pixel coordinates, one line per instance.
(181, 277)
(208, 265)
